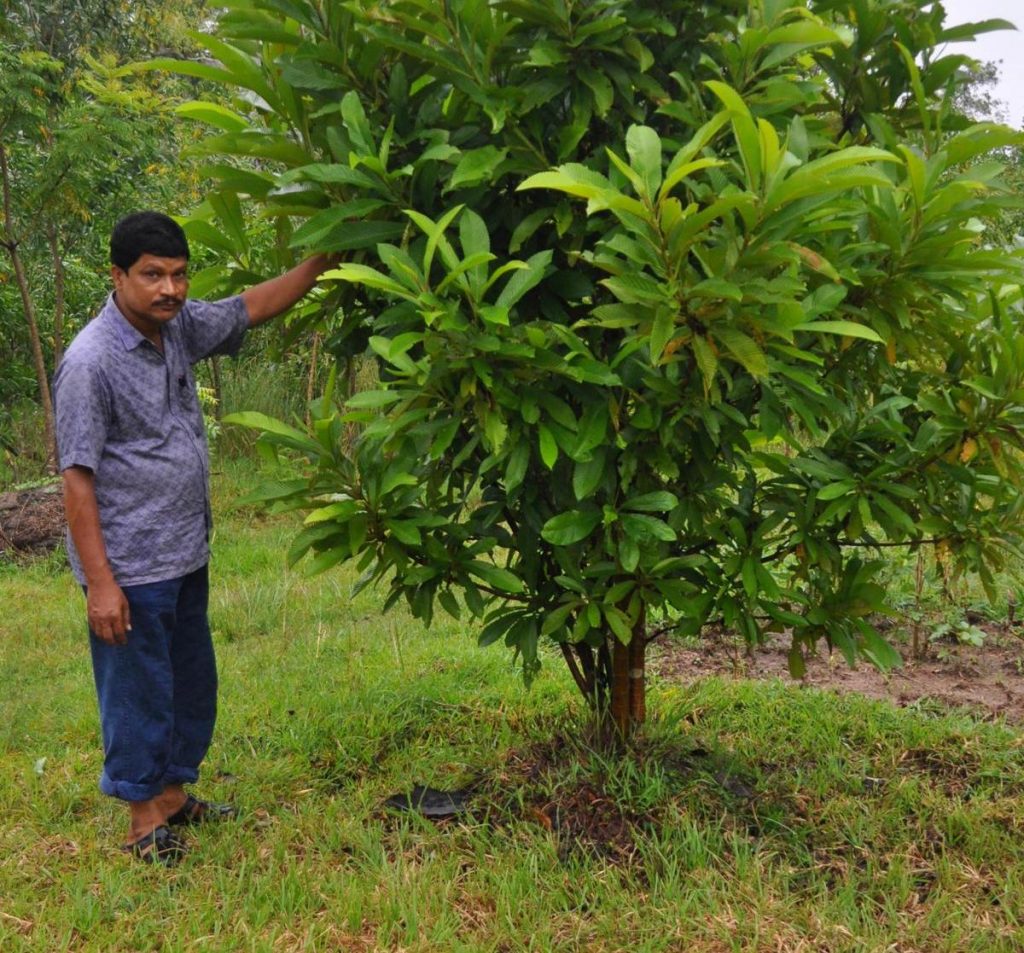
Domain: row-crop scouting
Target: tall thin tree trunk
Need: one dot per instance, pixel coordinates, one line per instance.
(11, 244)
(218, 393)
(311, 378)
(59, 284)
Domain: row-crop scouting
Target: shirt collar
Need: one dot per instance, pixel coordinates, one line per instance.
(130, 336)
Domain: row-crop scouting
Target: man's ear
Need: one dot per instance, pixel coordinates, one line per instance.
(117, 275)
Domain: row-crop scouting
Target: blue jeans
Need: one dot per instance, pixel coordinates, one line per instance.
(158, 693)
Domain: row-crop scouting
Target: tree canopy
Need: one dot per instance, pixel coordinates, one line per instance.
(81, 143)
(683, 311)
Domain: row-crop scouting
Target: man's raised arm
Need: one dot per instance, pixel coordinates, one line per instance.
(273, 297)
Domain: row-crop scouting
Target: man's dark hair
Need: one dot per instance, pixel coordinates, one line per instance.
(146, 233)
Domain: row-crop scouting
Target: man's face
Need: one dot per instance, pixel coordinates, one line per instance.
(152, 291)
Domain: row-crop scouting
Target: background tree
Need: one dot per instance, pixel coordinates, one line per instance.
(683, 311)
(79, 145)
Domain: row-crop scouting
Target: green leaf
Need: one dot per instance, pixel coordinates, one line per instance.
(524, 279)
(744, 349)
(848, 329)
(276, 428)
(658, 501)
(642, 528)
(214, 114)
(707, 360)
(496, 577)
(373, 399)
(571, 527)
(618, 623)
(476, 166)
(833, 491)
(629, 554)
(747, 136)
(644, 147)
(588, 475)
(404, 532)
(349, 236)
(370, 277)
(548, 446)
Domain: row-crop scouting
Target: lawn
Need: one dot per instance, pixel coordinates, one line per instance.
(753, 816)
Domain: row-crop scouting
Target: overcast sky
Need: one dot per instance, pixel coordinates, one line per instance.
(1005, 46)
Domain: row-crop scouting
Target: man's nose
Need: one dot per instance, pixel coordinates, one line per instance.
(168, 286)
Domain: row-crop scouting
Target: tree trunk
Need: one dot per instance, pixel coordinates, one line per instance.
(311, 377)
(218, 393)
(614, 683)
(11, 244)
(58, 295)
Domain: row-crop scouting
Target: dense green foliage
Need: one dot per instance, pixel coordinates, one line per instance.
(682, 309)
(80, 145)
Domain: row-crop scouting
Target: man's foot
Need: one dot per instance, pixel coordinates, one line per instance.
(194, 811)
(159, 846)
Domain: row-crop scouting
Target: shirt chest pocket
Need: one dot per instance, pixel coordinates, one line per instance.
(141, 405)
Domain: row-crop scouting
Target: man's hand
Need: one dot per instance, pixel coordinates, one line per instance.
(109, 616)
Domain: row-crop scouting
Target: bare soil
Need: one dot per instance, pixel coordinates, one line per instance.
(988, 679)
(31, 521)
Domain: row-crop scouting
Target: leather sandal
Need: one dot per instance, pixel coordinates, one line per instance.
(159, 846)
(194, 811)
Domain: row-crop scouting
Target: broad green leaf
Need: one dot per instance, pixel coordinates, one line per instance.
(643, 145)
(571, 527)
(476, 166)
(657, 501)
(214, 114)
(495, 576)
(547, 445)
(744, 349)
(277, 428)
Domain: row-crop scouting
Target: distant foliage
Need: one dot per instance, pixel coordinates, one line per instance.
(683, 310)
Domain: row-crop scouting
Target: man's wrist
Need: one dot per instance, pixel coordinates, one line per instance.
(100, 578)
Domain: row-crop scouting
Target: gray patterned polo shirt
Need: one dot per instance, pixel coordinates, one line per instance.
(131, 415)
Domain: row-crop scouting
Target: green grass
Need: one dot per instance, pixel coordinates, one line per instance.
(768, 817)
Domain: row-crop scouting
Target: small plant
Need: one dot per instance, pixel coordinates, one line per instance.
(208, 403)
(962, 632)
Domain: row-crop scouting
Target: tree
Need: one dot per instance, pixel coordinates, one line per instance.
(683, 311)
(78, 145)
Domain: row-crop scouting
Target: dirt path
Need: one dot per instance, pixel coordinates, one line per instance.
(988, 679)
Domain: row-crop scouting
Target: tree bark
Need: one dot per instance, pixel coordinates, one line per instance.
(311, 377)
(629, 683)
(59, 284)
(11, 244)
(218, 393)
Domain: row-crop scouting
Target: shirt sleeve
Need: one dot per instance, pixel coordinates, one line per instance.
(82, 410)
(213, 327)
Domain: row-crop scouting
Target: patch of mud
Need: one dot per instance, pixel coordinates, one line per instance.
(988, 679)
(31, 521)
(577, 810)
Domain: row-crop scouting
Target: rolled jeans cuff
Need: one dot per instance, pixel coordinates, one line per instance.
(129, 791)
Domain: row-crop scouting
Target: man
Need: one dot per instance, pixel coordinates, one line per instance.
(136, 488)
